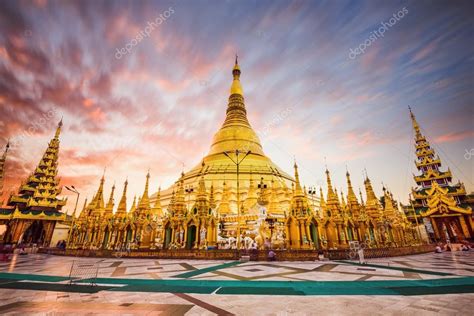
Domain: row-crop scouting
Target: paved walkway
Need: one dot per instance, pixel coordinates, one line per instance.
(426, 284)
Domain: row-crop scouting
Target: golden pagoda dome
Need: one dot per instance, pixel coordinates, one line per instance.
(235, 140)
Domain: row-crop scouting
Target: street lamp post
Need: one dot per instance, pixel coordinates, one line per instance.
(72, 189)
(237, 162)
(271, 224)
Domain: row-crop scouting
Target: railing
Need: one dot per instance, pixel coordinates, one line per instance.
(83, 272)
(229, 254)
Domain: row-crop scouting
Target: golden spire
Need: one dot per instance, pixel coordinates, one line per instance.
(373, 207)
(236, 132)
(369, 191)
(416, 126)
(331, 196)
(122, 207)
(145, 200)
(212, 201)
(361, 197)
(58, 129)
(351, 197)
(157, 210)
(298, 190)
(99, 199)
(134, 206)
(343, 202)
(201, 193)
(83, 213)
(236, 87)
(110, 205)
(179, 205)
(2, 170)
(202, 204)
(322, 203)
(389, 210)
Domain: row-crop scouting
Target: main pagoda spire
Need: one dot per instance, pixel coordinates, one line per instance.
(2, 170)
(236, 87)
(236, 132)
(40, 190)
(427, 162)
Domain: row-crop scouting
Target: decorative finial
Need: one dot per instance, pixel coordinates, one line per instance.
(236, 87)
(58, 129)
(236, 59)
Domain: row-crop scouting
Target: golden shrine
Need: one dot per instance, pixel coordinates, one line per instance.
(30, 216)
(238, 198)
(443, 206)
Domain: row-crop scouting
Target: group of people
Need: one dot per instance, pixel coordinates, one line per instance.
(440, 247)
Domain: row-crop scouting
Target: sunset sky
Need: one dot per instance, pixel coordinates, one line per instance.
(158, 105)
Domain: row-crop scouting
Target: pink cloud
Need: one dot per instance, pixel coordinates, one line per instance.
(425, 51)
(454, 137)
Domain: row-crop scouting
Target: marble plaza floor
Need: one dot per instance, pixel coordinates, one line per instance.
(422, 285)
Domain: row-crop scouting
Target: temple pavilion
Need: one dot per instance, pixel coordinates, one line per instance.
(31, 214)
(444, 207)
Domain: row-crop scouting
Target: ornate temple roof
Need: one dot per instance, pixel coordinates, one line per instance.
(40, 190)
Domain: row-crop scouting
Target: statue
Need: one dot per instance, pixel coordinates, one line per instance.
(176, 237)
(263, 235)
(203, 241)
(181, 235)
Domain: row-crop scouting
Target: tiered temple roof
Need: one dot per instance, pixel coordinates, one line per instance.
(428, 163)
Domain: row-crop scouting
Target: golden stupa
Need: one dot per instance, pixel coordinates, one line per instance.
(220, 170)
